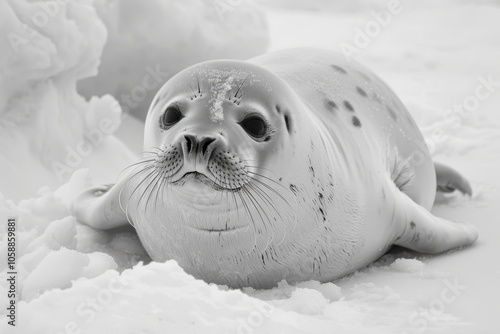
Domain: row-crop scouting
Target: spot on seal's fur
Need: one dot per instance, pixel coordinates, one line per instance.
(339, 69)
(412, 225)
(311, 168)
(348, 106)
(287, 122)
(331, 105)
(392, 113)
(356, 122)
(322, 213)
(361, 91)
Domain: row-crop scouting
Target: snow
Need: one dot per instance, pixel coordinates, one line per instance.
(407, 265)
(174, 36)
(222, 83)
(74, 279)
(47, 130)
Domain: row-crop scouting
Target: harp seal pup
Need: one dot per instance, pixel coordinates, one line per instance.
(293, 165)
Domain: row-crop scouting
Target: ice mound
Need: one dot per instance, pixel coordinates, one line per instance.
(141, 54)
(47, 130)
(54, 249)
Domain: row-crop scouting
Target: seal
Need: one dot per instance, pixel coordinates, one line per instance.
(294, 165)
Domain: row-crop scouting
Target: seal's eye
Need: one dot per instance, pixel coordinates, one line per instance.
(254, 126)
(170, 117)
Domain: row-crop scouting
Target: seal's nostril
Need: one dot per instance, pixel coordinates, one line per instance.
(205, 144)
(189, 143)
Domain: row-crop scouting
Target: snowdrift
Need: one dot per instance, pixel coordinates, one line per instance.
(47, 129)
(160, 38)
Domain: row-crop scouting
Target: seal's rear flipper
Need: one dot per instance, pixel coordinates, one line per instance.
(99, 207)
(449, 180)
(423, 232)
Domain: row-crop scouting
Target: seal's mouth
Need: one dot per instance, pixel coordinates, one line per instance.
(226, 230)
(202, 178)
(195, 176)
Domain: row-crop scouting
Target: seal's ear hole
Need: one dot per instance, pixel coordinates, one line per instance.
(288, 122)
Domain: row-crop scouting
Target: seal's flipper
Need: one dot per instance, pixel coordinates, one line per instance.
(99, 207)
(449, 180)
(423, 232)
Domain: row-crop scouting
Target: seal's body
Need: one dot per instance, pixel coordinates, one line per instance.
(294, 165)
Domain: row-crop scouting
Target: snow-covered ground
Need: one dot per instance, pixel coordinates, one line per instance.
(73, 279)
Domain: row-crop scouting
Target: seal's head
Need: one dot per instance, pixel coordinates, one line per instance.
(215, 122)
(213, 192)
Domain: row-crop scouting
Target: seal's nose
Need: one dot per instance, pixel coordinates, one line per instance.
(200, 146)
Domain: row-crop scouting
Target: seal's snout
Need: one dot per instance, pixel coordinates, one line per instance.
(209, 155)
(198, 152)
(198, 145)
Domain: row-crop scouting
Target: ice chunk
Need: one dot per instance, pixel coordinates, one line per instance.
(408, 265)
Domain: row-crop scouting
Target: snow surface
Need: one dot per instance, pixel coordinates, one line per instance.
(74, 279)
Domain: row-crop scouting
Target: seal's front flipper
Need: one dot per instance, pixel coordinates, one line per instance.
(423, 232)
(99, 207)
(449, 180)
